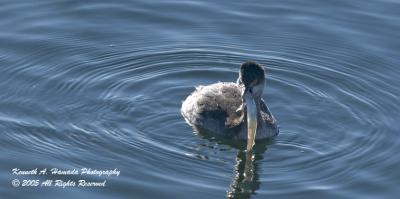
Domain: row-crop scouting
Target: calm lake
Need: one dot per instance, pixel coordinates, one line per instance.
(99, 85)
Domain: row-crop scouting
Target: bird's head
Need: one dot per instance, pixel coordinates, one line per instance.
(252, 78)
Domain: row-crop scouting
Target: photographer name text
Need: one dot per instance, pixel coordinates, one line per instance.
(56, 171)
(76, 175)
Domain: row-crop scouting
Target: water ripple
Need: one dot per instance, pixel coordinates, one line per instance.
(127, 104)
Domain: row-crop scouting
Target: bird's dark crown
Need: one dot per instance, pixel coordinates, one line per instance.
(251, 74)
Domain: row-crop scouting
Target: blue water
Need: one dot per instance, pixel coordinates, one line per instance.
(99, 84)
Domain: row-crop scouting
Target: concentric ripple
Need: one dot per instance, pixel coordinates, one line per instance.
(125, 107)
(100, 85)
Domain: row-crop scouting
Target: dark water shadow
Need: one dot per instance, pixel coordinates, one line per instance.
(245, 181)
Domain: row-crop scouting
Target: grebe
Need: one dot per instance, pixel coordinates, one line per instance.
(233, 110)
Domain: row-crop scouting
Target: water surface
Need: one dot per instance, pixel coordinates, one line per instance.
(99, 84)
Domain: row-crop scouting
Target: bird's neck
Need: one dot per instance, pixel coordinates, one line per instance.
(258, 105)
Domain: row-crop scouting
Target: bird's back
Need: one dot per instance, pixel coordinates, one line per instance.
(214, 108)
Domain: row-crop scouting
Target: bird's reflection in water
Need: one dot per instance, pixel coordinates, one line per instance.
(245, 180)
